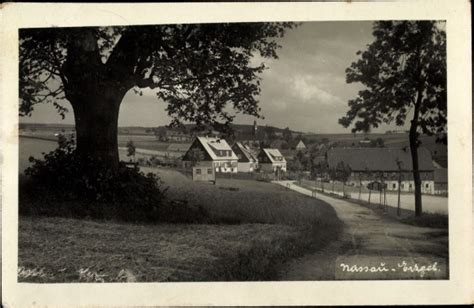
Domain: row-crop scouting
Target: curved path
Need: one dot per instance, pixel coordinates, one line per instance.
(369, 239)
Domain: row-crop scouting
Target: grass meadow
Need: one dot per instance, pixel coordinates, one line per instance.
(256, 228)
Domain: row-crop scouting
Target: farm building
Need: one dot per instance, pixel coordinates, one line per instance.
(441, 181)
(271, 160)
(382, 164)
(211, 152)
(247, 159)
(166, 134)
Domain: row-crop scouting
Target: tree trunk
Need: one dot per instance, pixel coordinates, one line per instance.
(416, 172)
(96, 118)
(399, 192)
(413, 135)
(95, 92)
(360, 186)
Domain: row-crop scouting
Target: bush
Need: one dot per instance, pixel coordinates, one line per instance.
(154, 161)
(67, 184)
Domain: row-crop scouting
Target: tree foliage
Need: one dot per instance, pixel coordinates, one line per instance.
(287, 135)
(404, 75)
(131, 149)
(341, 172)
(198, 69)
(404, 72)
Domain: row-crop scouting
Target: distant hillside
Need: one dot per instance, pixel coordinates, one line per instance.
(48, 126)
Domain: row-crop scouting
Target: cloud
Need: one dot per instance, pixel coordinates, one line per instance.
(307, 89)
(304, 88)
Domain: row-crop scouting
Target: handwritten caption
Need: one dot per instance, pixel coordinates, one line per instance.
(390, 268)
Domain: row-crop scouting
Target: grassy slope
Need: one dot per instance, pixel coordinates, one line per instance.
(269, 225)
(62, 247)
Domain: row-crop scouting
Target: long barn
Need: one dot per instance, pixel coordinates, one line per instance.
(385, 164)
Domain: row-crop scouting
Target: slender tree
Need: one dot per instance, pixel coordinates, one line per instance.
(197, 69)
(131, 149)
(342, 174)
(404, 74)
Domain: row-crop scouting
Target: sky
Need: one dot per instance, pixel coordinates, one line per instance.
(305, 89)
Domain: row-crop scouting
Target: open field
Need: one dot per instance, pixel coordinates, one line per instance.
(33, 147)
(260, 227)
(245, 200)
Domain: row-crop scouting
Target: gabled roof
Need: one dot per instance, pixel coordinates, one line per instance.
(246, 151)
(295, 143)
(217, 148)
(441, 175)
(379, 159)
(274, 155)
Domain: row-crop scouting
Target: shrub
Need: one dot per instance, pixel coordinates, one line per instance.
(65, 183)
(154, 161)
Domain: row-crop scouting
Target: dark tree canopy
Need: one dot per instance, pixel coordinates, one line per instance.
(341, 172)
(197, 69)
(402, 70)
(202, 71)
(404, 75)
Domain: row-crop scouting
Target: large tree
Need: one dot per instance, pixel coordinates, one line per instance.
(197, 69)
(404, 74)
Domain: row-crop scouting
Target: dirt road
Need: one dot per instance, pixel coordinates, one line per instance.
(371, 240)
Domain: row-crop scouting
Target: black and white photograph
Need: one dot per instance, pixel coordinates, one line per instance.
(249, 151)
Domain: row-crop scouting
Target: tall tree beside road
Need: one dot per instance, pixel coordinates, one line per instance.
(404, 74)
(199, 70)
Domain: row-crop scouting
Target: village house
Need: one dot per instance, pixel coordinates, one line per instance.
(214, 152)
(271, 160)
(298, 145)
(247, 160)
(384, 165)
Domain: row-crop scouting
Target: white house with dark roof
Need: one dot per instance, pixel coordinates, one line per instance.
(211, 152)
(248, 161)
(385, 164)
(271, 160)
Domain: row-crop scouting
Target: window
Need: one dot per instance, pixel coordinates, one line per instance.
(198, 171)
(209, 171)
(427, 185)
(394, 185)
